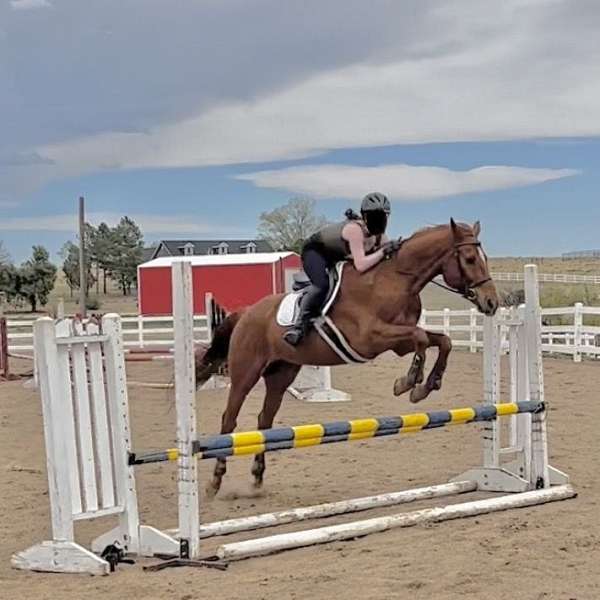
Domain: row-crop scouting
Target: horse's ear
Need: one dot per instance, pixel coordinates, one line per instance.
(454, 228)
(476, 229)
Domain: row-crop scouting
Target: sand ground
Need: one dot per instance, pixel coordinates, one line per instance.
(541, 553)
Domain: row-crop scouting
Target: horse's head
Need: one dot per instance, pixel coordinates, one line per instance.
(466, 268)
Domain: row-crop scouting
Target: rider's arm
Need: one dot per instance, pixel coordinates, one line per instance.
(355, 237)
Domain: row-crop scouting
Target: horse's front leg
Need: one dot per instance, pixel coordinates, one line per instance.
(444, 346)
(415, 373)
(417, 342)
(434, 379)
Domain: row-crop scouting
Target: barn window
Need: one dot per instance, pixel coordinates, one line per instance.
(250, 248)
(188, 249)
(222, 248)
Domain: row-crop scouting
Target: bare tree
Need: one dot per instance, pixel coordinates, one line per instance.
(4, 255)
(288, 226)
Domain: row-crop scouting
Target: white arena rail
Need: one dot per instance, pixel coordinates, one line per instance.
(577, 338)
(550, 277)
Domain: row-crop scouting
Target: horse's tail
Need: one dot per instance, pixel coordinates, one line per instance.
(208, 361)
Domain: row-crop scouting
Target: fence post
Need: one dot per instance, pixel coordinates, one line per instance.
(208, 303)
(473, 330)
(4, 370)
(447, 322)
(60, 309)
(140, 324)
(577, 331)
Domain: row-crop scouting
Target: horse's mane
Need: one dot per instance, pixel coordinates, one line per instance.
(424, 230)
(431, 228)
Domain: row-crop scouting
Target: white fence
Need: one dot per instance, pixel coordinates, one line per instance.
(465, 327)
(550, 278)
(139, 332)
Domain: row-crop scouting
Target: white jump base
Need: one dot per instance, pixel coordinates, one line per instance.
(87, 433)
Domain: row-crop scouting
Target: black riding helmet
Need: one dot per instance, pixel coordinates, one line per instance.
(375, 209)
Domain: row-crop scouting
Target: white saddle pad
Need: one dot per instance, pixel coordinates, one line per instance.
(286, 314)
(287, 310)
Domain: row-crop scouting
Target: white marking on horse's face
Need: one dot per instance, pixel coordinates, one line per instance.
(482, 255)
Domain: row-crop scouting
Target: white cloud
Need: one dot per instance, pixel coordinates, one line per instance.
(508, 73)
(460, 71)
(438, 100)
(29, 4)
(149, 224)
(400, 182)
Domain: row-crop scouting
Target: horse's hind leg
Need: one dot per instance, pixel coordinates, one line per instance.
(243, 379)
(434, 379)
(278, 377)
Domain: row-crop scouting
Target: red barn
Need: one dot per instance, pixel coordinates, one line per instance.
(235, 280)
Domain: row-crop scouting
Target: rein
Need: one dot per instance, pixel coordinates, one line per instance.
(468, 290)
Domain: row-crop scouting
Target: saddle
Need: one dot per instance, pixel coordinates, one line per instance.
(324, 326)
(288, 309)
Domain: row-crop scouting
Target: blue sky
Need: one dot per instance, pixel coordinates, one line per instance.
(194, 117)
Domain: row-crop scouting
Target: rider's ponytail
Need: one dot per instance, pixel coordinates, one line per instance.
(351, 215)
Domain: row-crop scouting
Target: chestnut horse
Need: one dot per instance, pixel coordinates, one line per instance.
(377, 311)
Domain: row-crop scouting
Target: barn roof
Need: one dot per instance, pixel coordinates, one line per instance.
(255, 258)
(176, 247)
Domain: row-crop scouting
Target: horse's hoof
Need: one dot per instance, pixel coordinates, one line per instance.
(436, 384)
(211, 491)
(418, 393)
(402, 385)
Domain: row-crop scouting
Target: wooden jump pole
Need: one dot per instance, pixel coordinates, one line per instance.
(350, 531)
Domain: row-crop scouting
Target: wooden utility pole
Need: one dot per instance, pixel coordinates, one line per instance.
(82, 267)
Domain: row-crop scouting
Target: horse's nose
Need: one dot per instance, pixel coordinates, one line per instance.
(491, 306)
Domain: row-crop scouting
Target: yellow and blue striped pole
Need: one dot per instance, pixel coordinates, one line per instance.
(302, 436)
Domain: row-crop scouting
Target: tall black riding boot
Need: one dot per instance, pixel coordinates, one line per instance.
(309, 305)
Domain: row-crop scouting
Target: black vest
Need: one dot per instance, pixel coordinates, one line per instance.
(329, 242)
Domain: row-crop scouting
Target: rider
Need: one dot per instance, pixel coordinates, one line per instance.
(361, 239)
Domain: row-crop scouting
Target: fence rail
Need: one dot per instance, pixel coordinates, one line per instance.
(139, 332)
(550, 277)
(575, 338)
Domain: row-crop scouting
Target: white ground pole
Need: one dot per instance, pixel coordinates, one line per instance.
(356, 529)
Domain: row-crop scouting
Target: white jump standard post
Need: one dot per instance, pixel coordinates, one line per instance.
(84, 410)
(313, 384)
(188, 533)
(529, 467)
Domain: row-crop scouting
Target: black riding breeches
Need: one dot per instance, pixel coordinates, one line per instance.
(316, 269)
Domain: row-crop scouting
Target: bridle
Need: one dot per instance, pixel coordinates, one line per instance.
(468, 289)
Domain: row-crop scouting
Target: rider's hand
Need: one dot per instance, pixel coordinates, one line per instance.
(390, 248)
